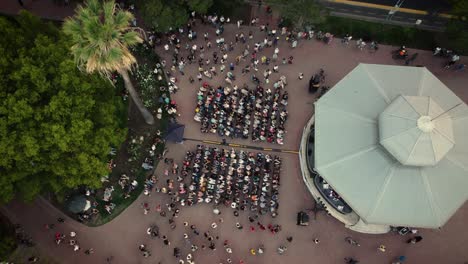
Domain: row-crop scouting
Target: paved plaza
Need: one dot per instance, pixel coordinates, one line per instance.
(120, 238)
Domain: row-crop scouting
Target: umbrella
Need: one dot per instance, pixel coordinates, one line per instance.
(175, 132)
(79, 204)
(390, 140)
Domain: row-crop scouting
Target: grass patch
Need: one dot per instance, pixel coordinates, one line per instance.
(382, 33)
(132, 153)
(118, 194)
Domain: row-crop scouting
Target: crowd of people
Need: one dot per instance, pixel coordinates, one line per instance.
(237, 179)
(241, 180)
(229, 112)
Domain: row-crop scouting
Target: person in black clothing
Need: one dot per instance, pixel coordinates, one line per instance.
(414, 240)
(351, 261)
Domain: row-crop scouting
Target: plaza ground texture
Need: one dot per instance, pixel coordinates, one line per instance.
(120, 238)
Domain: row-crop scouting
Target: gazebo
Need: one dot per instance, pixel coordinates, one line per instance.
(389, 144)
(175, 133)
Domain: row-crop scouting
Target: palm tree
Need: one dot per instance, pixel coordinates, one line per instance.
(101, 36)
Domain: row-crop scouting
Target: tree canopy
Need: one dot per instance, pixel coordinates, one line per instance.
(166, 14)
(101, 37)
(457, 28)
(459, 8)
(299, 12)
(56, 123)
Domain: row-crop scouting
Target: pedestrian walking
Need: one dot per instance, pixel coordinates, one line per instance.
(289, 239)
(316, 240)
(281, 249)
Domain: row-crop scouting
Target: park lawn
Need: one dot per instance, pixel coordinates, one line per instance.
(118, 194)
(147, 60)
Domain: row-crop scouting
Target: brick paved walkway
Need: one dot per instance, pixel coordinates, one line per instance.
(122, 236)
(43, 8)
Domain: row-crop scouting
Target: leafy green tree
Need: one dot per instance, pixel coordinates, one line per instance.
(7, 246)
(457, 35)
(199, 6)
(457, 28)
(459, 8)
(164, 15)
(56, 123)
(299, 12)
(101, 37)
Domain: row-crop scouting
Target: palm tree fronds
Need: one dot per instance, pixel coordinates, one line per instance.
(101, 36)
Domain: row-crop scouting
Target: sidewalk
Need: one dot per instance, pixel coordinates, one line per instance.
(43, 8)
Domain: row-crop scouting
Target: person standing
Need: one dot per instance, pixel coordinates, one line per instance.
(460, 67)
(399, 260)
(294, 44)
(452, 61)
(33, 259)
(414, 240)
(351, 261)
(382, 248)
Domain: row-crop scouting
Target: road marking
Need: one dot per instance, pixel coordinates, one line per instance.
(377, 6)
(244, 146)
